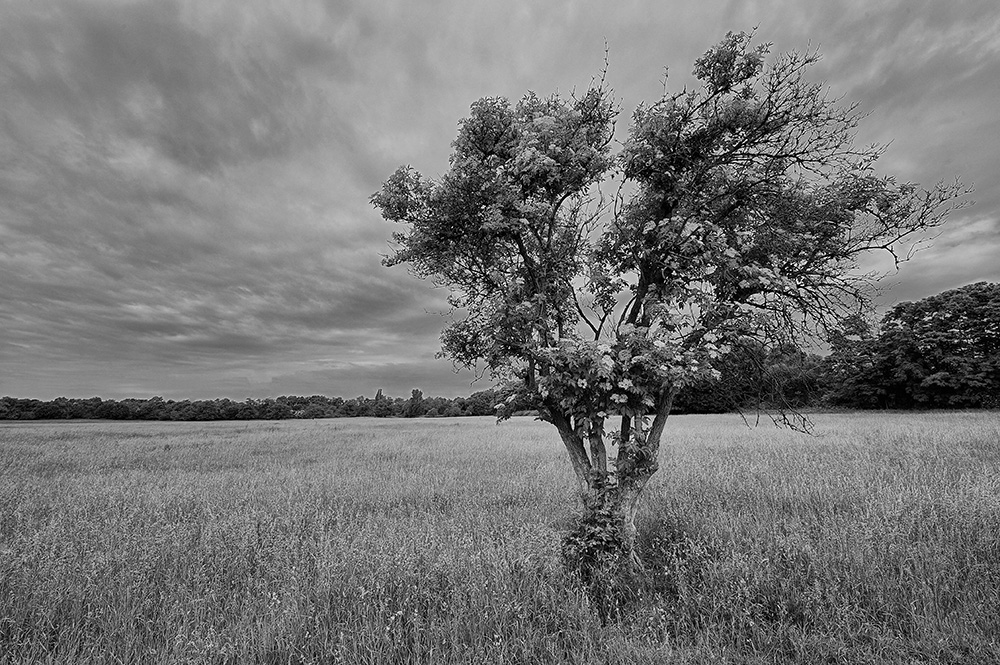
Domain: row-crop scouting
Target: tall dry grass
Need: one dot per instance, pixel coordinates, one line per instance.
(437, 541)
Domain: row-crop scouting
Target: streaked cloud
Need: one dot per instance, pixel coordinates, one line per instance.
(183, 194)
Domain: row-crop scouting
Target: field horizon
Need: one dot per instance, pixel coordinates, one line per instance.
(874, 540)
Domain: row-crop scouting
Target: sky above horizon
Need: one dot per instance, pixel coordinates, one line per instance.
(184, 184)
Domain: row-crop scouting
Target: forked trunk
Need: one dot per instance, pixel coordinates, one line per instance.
(611, 489)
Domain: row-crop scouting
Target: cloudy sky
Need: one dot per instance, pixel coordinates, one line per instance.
(184, 183)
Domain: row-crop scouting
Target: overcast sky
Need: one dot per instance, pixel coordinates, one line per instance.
(184, 183)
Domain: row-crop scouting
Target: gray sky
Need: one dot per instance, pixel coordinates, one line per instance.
(184, 183)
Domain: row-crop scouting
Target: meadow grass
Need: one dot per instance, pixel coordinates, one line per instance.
(876, 540)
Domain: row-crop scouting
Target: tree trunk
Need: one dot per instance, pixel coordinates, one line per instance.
(606, 533)
(609, 515)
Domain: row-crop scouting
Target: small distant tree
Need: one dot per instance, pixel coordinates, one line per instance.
(744, 209)
(415, 405)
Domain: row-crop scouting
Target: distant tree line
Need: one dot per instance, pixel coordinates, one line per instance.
(283, 408)
(942, 352)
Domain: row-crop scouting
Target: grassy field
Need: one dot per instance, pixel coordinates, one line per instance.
(437, 541)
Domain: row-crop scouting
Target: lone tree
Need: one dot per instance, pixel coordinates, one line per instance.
(742, 210)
